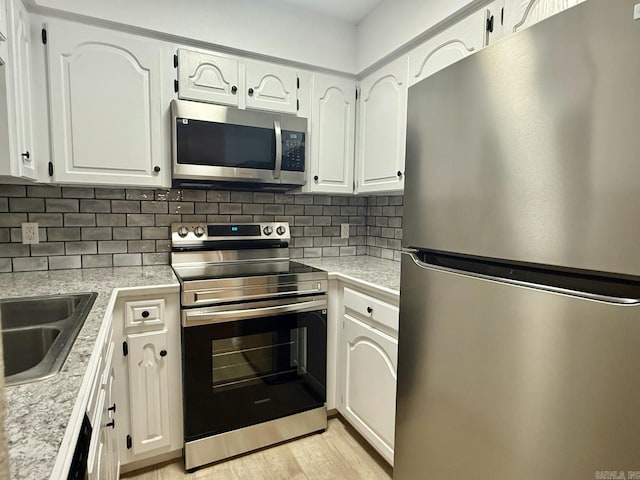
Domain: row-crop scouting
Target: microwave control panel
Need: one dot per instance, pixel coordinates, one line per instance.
(293, 151)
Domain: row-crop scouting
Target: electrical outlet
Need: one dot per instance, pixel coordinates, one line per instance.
(636, 12)
(30, 235)
(344, 230)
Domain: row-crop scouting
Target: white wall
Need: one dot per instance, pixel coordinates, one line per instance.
(263, 26)
(395, 22)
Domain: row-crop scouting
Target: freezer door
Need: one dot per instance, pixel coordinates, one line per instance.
(528, 150)
(503, 382)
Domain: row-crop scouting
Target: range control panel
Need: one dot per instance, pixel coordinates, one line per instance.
(293, 151)
(190, 233)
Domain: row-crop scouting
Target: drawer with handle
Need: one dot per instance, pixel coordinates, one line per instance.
(144, 313)
(367, 307)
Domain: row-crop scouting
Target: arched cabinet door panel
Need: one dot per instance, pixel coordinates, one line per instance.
(149, 390)
(368, 399)
(524, 13)
(271, 87)
(332, 134)
(382, 129)
(108, 107)
(458, 41)
(207, 78)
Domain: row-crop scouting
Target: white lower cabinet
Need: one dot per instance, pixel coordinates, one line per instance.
(148, 362)
(149, 367)
(103, 460)
(367, 367)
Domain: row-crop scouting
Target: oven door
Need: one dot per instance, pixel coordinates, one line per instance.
(249, 363)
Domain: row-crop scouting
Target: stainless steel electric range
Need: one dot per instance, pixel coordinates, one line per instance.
(254, 339)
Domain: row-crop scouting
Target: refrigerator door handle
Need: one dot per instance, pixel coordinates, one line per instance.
(539, 286)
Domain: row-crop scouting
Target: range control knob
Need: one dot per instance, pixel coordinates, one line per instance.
(268, 230)
(199, 231)
(281, 230)
(183, 231)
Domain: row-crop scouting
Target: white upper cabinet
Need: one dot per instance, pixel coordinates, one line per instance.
(524, 13)
(332, 134)
(217, 78)
(271, 87)
(109, 122)
(17, 155)
(461, 39)
(207, 78)
(382, 125)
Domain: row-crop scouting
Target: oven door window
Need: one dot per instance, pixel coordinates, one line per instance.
(247, 372)
(225, 145)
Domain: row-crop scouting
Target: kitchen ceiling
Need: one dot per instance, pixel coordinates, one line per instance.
(352, 11)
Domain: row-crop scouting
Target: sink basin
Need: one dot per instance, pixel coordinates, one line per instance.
(38, 332)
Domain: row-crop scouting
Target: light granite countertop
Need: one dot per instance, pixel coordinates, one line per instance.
(378, 272)
(38, 412)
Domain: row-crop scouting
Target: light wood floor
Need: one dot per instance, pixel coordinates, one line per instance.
(337, 454)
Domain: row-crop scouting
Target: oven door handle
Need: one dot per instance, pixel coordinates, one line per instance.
(203, 316)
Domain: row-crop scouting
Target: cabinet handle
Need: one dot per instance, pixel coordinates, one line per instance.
(156, 169)
(234, 89)
(315, 178)
(399, 174)
(163, 353)
(145, 314)
(26, 155)
(250, 91)
(111, 424)
(112, 408)
(369, 310)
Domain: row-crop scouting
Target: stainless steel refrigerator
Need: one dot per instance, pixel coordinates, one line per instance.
(519, 341)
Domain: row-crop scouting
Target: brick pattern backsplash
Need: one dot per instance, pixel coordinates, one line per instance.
(82, 227)
(384, 226)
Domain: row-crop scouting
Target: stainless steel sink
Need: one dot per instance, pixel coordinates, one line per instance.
(38, 332)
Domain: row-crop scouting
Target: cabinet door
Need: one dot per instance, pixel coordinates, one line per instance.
(148, 363)
(107, 106)
(524, 13)
(332, 134)
(271, 87)
(462, 39)
(382, 129)
(207, 78)
(368, 399)
(18, 71)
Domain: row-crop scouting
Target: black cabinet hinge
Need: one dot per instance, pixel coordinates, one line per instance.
(125, 349)
(297, 104)
(175, 61)
(44, 36)
(51, 169)
(298, 81)
(490, 24)
(356, 93)
(129, 442)
(502, 16)
(175, 86)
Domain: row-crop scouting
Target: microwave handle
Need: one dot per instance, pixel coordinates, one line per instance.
(278, 130)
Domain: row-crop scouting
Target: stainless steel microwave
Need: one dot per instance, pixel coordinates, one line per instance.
(227, 147)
